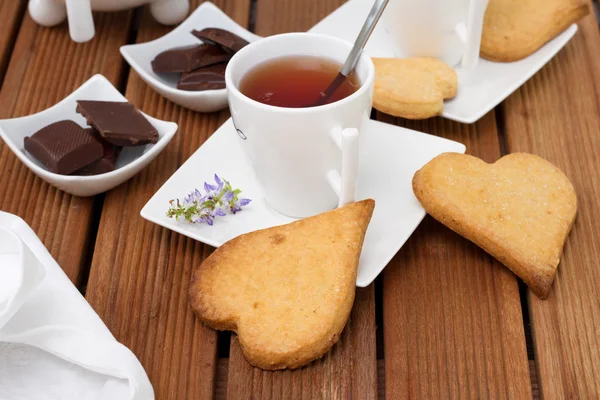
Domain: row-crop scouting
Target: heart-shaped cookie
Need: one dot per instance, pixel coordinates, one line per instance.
(413, 88)
(287, 291)
(519, 209)
(514, 29)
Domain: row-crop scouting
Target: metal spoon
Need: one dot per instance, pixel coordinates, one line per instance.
(355, 53)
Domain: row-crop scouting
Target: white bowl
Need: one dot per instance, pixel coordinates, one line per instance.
(130, 161)
(140, 56)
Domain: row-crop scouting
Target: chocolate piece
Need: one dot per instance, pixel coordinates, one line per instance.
(106, 163)
(208, 78)
(186, 59)
(64, 147)
(229, 41)
(118, 123)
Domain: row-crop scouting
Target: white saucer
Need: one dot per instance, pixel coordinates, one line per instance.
(389, 158)
(130, 161)
(140, 56)
(479, 89)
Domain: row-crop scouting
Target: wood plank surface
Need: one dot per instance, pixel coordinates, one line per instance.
(223, 367)
(11, 12)
(349, 370)
(556, 115)
(140, 272)
(37, 78)
(452, 315)
(453, 326)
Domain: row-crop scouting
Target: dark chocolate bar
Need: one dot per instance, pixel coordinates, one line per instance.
(189, 58)
(63, 147)
(227, 40)
(207, 78)
(119, 123)
(106, 163)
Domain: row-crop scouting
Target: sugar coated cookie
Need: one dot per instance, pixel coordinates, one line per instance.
(519, 209)
(514, 29)
(413, 88)
(287, 291)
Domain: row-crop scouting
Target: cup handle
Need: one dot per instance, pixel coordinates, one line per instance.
(344, 185)
(474, 29)
(81, 22)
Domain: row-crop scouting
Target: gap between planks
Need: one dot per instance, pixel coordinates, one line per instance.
(223, 367)
(555, 115)
(139, 286)
(98, 201)
(350, 368)
(10, 28)
(502, 142)
(62, 221)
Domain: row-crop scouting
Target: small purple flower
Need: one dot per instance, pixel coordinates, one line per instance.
(228, 196)
(218, 200)
(209, 188)
(219, 183)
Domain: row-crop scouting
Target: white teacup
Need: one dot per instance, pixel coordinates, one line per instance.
(306, 159)
(446, 29)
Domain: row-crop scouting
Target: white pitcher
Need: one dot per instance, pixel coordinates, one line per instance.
(79, 13)
(446, 29)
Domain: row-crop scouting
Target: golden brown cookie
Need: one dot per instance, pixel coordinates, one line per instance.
(514, 29)
(287, 291)
(413, 88)
(519, 209)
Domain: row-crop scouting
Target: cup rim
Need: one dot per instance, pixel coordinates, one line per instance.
(233, 90)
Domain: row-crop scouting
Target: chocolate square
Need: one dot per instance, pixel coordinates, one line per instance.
(227, 40)
(207, 78)
(119, 123)
(189, 58)
(106, 163)
(63, 147)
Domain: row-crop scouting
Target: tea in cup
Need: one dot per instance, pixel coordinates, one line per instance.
(305, 157)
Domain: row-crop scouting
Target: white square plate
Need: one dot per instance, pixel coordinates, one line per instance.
(479, 89)
(130, 161)
(389, 158)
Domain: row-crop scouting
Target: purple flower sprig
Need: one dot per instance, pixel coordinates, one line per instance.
(219, 200)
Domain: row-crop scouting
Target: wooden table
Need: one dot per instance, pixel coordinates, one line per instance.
(444, 320)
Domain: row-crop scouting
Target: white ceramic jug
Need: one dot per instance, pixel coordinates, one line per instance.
(79, 13)
(446, 29)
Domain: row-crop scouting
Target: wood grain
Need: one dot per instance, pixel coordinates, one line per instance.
(556, 115)
(38, 77)
(11, 12)
(283, 16)
(223, 367)
(140, 272)
(349, 370)
(453, 326)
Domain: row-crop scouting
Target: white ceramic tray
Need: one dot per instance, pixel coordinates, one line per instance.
(389, 158)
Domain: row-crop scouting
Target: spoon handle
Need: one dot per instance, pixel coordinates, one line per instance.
(363, 36)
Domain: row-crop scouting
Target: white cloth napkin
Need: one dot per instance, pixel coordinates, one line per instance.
(53, 345)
